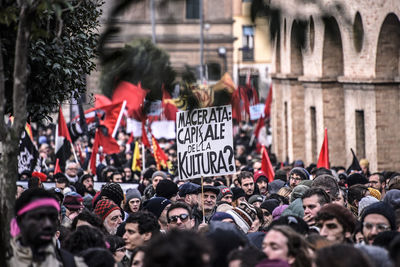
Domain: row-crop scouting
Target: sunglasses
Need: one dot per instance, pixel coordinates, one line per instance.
(182, 217)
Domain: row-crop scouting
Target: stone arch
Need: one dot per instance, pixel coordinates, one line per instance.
(332, 59)
(296, 57)
(387, 54)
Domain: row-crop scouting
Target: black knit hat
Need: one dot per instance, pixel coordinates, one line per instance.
(114, 192)
(270, 205)
(237, 193)
(356, 178)
(303, 173)
(166, 188)
(383, 209)
(156, 205)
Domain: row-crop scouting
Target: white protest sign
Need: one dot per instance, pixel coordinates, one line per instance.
(134, 126)
(205, 142)
(256, 111)
(163, 129)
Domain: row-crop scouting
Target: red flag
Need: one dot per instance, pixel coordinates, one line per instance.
(101, 100)
(244, 97)
(145, 141)
(108, 115)
(159, 155)
(62, 140)
(93, 157)
(267, 108)
(131, 138)
(169, 109)
(266, 165)
(110, 146)
(323, 160)
(57, 167)
(62, 126)
(134, 95)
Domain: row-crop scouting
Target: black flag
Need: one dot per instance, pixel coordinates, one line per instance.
(355, 165)
(28, 157)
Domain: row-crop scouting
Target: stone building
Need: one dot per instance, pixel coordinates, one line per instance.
(345, 78)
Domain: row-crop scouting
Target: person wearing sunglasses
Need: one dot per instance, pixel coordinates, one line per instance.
(179, 216)
(377, 218)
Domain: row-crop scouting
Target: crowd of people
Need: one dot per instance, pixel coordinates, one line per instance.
(303, 216)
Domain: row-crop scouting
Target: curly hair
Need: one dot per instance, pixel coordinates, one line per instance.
(83, 238)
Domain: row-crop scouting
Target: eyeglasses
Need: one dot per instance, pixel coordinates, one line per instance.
(123, 249)
(182, 217)
(296, 179)
(381, 227)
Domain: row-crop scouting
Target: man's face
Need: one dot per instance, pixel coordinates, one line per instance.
(38, 226)
(227, 198)
(128, 173)
(210, 200)
(134, 204)
(61, 186)
(179, 218)
(294, 180)
(248, 185)
(112, 221)
(117, 178)
(132, 237)
(72, 170)
(88, 183)
(311, 207)
(155, 181)
(275, 246)
(191, 199)
(375, 183)
(333, 230)
(263, 186)
(373, 225)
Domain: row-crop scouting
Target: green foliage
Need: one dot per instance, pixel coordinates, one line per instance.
(61, 52)
(139, 61)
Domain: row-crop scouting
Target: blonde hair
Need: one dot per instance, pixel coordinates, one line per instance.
(285, 192)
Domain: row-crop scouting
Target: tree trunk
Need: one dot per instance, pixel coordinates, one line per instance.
(10, 140)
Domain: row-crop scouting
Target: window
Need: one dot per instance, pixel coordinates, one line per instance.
(214, 71)
(360, 134)
(313, 117)
(248, 43)
(192, 9)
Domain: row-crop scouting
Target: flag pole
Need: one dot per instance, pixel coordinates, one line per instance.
(143, 158)
(73, 151)
(202, 198)
(119, 119)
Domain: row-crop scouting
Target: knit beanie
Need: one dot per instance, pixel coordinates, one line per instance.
(156, 205)
(84, 177)
(303, 173)
(73, 201)
(392, 198)
(244, 216)
(365, 202)
(159, 173)
(356, 178)
(104, 207)
(295, 208)
(255, 198)
(298, 191)
(383, 209)
(275, 185)
(132, 193)
(219, 216)
(270, 205)
(166, 188)
(237, 193)
(224, 191)
(375, 193)
(278, 211)
(114, 192)
(260, 175)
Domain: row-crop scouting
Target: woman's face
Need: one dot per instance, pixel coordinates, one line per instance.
(138, 259)
(134, 204)
(275, 246)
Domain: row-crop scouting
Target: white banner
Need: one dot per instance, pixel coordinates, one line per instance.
(134, 126)
(163, 129)
(256, 111)
(205, 142)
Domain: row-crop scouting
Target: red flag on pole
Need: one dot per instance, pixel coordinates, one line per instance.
(62, 140)
(57, 168)
(323, 160)
(145, 141)
(159, 155)
(266, 165)
(267, 108)
(133, 94)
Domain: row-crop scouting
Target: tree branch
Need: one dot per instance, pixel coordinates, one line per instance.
(21, 71)
(2, 97)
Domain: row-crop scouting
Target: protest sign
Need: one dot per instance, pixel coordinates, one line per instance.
(205, 142)
(256, 111)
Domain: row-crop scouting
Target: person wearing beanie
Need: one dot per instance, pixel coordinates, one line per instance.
(159, 207)
(374, 193)
(261, 179)
(113, 192)
(267, 208)
(376, 218)
(73, 203)
(188, 193)
(156, 177)
(222, 217)
(110, 214)
(356, 178)
(244, 215)
(168, 189)
(225, 195)
(336, 223)
(275, 185)
(364, 164)
(296, 175)
(278, 211)
(133, 200)
(365, 202)
(392, 198)
(256, 200)
(298, 191)
(239, 196)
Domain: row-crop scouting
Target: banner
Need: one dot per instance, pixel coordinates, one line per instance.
(256, 112)
(205, 142)
(28, 157)
(163, 129)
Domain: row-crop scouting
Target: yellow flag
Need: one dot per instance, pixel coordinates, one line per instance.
(136, 166)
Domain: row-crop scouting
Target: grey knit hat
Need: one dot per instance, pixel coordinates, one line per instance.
(132, 193)
(159, 173)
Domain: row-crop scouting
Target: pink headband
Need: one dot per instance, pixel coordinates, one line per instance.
(42, 202)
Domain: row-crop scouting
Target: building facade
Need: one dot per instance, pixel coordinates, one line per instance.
(344, 78)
